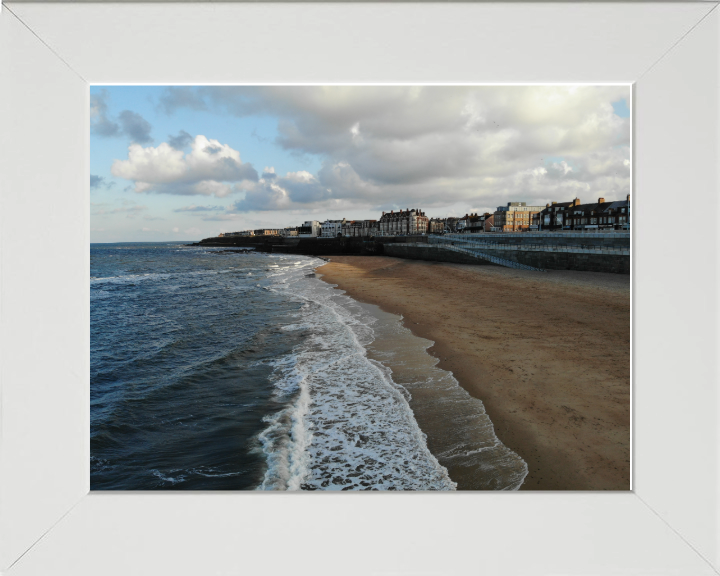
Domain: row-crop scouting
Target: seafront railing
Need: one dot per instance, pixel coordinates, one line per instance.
(494, 259)
(487, 244)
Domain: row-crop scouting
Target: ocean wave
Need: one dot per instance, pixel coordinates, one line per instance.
(349, 426)
(151, 276)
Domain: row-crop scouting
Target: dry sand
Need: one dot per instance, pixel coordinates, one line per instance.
(547, 353)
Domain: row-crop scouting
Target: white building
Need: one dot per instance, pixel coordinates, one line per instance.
(332, 228)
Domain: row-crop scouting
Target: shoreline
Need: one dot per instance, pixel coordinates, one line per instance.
(469, 451)
(547, 354)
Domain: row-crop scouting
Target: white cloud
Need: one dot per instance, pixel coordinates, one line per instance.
(130, 210)
(208, 169)
(272, 192)
(429, 146)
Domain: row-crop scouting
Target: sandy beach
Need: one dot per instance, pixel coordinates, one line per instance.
(547, 353)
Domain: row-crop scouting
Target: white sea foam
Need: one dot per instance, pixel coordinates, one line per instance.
(136, 278)
(348, 426)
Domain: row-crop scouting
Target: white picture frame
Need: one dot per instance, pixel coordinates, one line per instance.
(50, 523)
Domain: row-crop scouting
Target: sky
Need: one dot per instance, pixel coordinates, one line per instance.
(172, 163)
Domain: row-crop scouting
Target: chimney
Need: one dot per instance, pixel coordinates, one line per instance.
(383, 212)
(547, 205)
(576, 202)
(601, 200)
(554, 203)
(628, 197)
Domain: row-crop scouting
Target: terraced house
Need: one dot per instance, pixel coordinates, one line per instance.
(359, 228)
(600, 215)
(403, 222)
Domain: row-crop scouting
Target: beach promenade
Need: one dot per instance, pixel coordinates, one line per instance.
(547, 353)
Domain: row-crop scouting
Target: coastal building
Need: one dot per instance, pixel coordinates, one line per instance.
(617, 215)
(331, 228)
(264, 232)
(310, 229)
(554, 215)
(489, 223)
(451, 224)
(471, 223)
(476, 224)
(515, 217)
(360, 228)
(403, 222)
(289, 232)
(464, 222)
(436, 226)
(600, 215)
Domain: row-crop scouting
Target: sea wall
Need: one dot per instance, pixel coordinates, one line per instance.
(324, 246)
(569, 238)
(433, 253)
(255, 241)
(613, 263)
(616, 264)
(595, 252)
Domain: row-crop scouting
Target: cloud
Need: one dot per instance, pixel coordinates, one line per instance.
(180, 141)
(100, 124)
(261, 139)
(272, 192)
(97, 182)
(176, 97)
(269, 173)
(130, 211)
(194, 208)
(222, 217)
(135, 126)
(128, 123)
(431, 146)
(209, 169)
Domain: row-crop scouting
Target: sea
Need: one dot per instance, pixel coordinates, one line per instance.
(222, 370)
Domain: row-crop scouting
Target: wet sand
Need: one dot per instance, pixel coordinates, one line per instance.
(547, 353)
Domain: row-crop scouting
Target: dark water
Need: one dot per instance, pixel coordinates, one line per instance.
(229, 371)
(180, 378)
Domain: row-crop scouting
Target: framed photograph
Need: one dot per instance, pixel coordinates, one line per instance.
(63, 68)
